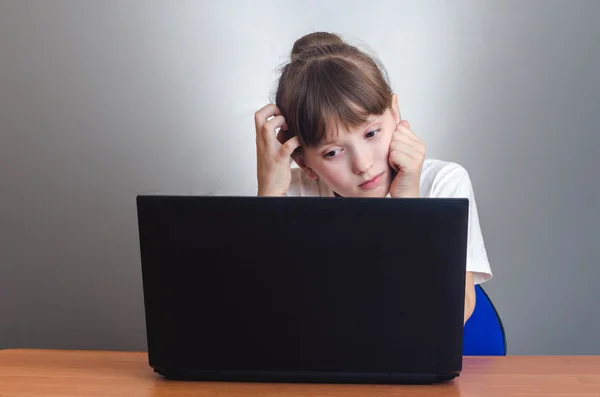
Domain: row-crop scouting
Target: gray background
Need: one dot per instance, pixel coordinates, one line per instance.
(100, 101)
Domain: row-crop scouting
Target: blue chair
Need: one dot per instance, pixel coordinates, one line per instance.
(484, 333)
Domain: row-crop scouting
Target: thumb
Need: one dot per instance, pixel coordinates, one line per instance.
(288, 148)
(405, 123)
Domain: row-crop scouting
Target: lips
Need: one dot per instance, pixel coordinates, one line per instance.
(371, 183)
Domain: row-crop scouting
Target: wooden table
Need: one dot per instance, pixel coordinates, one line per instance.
(36, 373)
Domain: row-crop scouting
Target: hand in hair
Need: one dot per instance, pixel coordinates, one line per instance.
(407, 153)
(273, 152)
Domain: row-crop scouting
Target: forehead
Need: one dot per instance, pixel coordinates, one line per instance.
(336, 129)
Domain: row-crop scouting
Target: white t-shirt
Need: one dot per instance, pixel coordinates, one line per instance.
(438, 179)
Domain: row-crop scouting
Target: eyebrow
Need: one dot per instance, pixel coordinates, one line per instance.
(372, 120)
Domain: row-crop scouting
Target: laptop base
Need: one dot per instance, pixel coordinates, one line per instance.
(306, 377)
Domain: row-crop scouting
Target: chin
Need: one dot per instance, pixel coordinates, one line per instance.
(379, 192)
(373, 195)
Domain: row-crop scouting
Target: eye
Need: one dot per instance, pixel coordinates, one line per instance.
(371, 134)
(331, 153)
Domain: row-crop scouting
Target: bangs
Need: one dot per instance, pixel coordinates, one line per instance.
(331, 93)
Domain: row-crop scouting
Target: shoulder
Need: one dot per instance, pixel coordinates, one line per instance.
(451, 180)
(302, 186)
(444, 179)
(439, 170)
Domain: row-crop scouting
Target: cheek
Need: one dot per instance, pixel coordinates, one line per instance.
(331, 170)
(325, 169)
(384, 147)
(334, 173)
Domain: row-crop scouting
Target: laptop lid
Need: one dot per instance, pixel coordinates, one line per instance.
(249, 286)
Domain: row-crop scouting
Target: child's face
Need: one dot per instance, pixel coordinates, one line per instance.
(356, 164)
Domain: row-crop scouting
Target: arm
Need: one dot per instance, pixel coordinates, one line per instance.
(469, 296)
(453, 181)
(407, 154)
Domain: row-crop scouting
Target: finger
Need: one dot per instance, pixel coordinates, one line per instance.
(404, 148)
(417, 146)
(399, 160)
(405, 123)
(289, 146)
(405, 128)
(284, 134)
(263, 114)
(268, 129)
(404, 135)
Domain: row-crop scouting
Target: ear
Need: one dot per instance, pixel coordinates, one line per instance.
(300, 159)
(396, 109)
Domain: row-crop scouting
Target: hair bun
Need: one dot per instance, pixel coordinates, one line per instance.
(316, 39)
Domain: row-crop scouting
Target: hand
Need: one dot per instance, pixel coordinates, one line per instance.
(273, 152)
(407, 153)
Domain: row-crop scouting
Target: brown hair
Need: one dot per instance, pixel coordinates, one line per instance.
(329, 83)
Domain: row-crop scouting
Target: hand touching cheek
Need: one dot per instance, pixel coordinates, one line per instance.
(407, 154)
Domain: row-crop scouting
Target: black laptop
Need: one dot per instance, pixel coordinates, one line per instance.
(333, 290)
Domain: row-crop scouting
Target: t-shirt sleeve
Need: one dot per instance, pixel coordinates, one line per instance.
(302, 186)
(453, 181)
(295, 189)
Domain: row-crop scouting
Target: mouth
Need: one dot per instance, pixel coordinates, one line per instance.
(372, 183)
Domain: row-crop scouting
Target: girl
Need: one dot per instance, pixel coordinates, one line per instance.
(338, 119)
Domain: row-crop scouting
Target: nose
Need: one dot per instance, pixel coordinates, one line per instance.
(362, 161)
